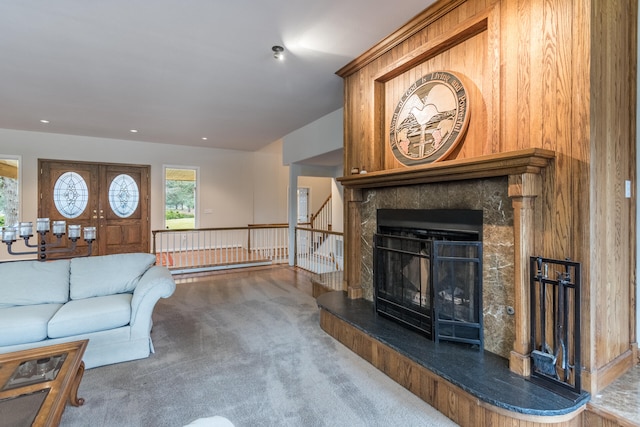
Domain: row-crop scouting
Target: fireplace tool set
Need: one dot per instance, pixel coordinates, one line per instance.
(555, 325)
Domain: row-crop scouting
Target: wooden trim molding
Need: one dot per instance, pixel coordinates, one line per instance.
(418, 23)
(353, 200)
(432, 48)
(527, 161)
(523, 190)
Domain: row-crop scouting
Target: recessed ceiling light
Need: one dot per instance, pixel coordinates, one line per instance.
(134, 131)
(44, 121)
(278, 52)
(204, 138)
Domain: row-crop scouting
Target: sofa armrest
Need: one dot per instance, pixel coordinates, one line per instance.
(154, 284)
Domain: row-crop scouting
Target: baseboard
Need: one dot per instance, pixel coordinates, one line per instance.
(602, 377)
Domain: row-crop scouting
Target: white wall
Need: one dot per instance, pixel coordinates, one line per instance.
(270, 181)
(319, 137)
(337, 198)
(239, 187)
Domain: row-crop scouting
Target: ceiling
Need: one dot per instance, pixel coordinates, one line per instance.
(178, 71)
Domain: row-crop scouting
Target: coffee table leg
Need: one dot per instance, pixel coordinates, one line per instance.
(73, 392)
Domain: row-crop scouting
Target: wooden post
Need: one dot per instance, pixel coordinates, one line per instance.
(523, 190)
(353, 249)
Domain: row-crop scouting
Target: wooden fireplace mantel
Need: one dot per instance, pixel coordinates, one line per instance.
(530, 160)
(523, 169)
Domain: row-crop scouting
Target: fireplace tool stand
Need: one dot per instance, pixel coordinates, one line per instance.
(555, 325)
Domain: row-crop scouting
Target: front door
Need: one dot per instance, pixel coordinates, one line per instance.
(114, 198)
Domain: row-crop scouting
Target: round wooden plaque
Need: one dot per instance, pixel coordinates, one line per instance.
(430, 119)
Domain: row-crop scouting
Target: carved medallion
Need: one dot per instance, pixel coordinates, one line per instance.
(430, 119)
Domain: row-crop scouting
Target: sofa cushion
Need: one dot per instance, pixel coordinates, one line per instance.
(108, 274)
(34, 282)
(25, 324)
(91, 315)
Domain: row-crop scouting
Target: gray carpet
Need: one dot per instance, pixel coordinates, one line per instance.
(246, 346)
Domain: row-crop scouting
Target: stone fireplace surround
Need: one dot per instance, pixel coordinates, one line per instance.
(505, 186)
(488, 195)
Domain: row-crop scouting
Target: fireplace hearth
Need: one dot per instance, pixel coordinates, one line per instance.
(428, 272)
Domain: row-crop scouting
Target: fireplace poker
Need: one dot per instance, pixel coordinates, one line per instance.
(544, 360)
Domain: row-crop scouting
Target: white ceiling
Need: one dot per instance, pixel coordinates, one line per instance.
(181, 70)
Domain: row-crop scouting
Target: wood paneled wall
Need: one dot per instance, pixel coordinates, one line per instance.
(553, 74)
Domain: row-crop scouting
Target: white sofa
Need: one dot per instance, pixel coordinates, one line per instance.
(105, 299)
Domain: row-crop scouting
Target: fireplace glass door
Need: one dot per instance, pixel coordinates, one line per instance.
(403, 291)
(457, 284)
(430, 284)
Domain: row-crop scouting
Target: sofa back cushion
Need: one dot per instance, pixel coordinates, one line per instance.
(34, 282)
(108, 274)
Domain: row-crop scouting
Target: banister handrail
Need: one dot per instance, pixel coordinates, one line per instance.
(335, 233)
(170, 230)
(326, 204)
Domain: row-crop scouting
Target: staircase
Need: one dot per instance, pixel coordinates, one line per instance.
(321, 220)
(320, 250)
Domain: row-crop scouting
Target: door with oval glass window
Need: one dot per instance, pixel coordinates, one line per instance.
(114, 198)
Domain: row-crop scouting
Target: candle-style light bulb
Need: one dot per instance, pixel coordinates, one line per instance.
(9, 234)
(89, 233)
(74, 231)
(26, 229)
(59, 227)
(42, 225)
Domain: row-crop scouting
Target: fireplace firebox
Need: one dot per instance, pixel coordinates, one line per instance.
(428, 272)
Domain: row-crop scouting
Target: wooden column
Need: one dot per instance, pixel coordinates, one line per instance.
(523, 190)
(353, 248)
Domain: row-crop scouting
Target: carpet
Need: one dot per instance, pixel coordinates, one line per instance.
(246, 346)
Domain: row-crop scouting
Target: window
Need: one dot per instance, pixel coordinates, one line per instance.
(123, 195)
(70, 195)
(9, 190)
(180, 186)
(303, 205)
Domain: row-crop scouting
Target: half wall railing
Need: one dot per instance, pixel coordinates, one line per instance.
(204, 249)
(321, 252)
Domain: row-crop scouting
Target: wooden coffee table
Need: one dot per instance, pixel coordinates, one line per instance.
(36, 384)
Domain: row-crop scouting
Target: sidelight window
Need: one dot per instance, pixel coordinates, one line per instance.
(9, 190)
(180, 185)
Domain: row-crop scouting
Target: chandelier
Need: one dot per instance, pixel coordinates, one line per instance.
(24, 230)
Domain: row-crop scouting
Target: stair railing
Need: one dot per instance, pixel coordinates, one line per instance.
(321, 220)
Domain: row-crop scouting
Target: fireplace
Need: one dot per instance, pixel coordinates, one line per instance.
(428, 271)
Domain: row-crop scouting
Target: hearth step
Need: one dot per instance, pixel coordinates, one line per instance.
(481, 374)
